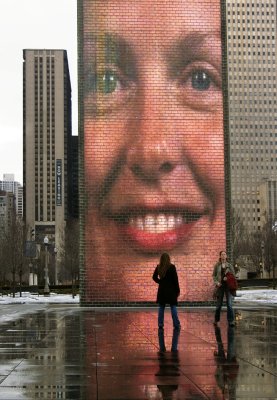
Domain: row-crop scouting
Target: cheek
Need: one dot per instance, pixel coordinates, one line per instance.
(103, 142)
(213, 154)
(203, 147)
(203, 143)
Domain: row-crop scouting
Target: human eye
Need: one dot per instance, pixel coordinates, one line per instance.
(199, 86)
(105, 81)
(201, 80)
(106, 89)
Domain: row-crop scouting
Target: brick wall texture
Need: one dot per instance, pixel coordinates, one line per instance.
(152, 140)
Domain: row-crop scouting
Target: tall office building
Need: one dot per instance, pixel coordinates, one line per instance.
(268, 200)
(251, 49)
(73, 178)
(7, 208)
(19, 200)
(47, 132)
(8, 184)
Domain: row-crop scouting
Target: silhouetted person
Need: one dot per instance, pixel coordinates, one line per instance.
(166, 276)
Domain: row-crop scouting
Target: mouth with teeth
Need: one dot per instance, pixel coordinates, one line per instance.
(156, 231)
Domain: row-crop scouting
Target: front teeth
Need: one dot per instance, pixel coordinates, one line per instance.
(157, 223)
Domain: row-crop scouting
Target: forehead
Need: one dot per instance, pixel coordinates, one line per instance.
(151, 18)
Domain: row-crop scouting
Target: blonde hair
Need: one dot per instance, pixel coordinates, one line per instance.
(164, 265)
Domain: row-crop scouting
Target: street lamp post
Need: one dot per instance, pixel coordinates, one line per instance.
(274, 228)
(46, 279)
(262, 248)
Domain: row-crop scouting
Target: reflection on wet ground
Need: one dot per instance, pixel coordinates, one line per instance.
(67, 352)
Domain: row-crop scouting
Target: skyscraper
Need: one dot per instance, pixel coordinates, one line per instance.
(8, 184)
(73, 178)
(47, 132)
(251, 47)
(7, 209)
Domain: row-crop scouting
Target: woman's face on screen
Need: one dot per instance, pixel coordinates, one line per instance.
(154, 159)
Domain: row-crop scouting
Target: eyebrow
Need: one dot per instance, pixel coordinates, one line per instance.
(193, 47)
(109, 49)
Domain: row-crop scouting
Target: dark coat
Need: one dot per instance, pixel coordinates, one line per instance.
(169, 289)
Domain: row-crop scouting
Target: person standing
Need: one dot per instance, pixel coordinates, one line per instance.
(166, 276)
(220, 271)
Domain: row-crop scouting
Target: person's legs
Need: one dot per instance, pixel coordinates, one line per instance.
(220, 348)
(231, 353)
(174, 314)
(219, 302)
(175, 337)
(161, 339)
(230, 311)
(161, 315)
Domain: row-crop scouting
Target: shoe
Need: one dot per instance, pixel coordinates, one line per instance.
(161, 354)
(215, 324)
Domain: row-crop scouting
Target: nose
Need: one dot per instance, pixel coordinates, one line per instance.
(154, 151)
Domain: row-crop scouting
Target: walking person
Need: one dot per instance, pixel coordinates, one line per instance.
(166, 276)
(220, 275)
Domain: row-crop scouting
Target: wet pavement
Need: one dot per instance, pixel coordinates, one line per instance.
(68, 352)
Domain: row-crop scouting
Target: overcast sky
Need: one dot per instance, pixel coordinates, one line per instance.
(30, 24)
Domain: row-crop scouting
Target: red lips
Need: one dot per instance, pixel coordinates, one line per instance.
(156, 229)
(156, 242)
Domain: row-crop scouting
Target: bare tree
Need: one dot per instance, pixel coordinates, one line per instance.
(247, 246)
(13, 244)
(269, 238)
(239, 235)
(3, 261)
(69, 254)
(259, 247)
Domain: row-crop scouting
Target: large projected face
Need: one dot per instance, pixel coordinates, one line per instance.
(153, 145)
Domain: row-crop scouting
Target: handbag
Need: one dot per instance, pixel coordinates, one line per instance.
(232, 283)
